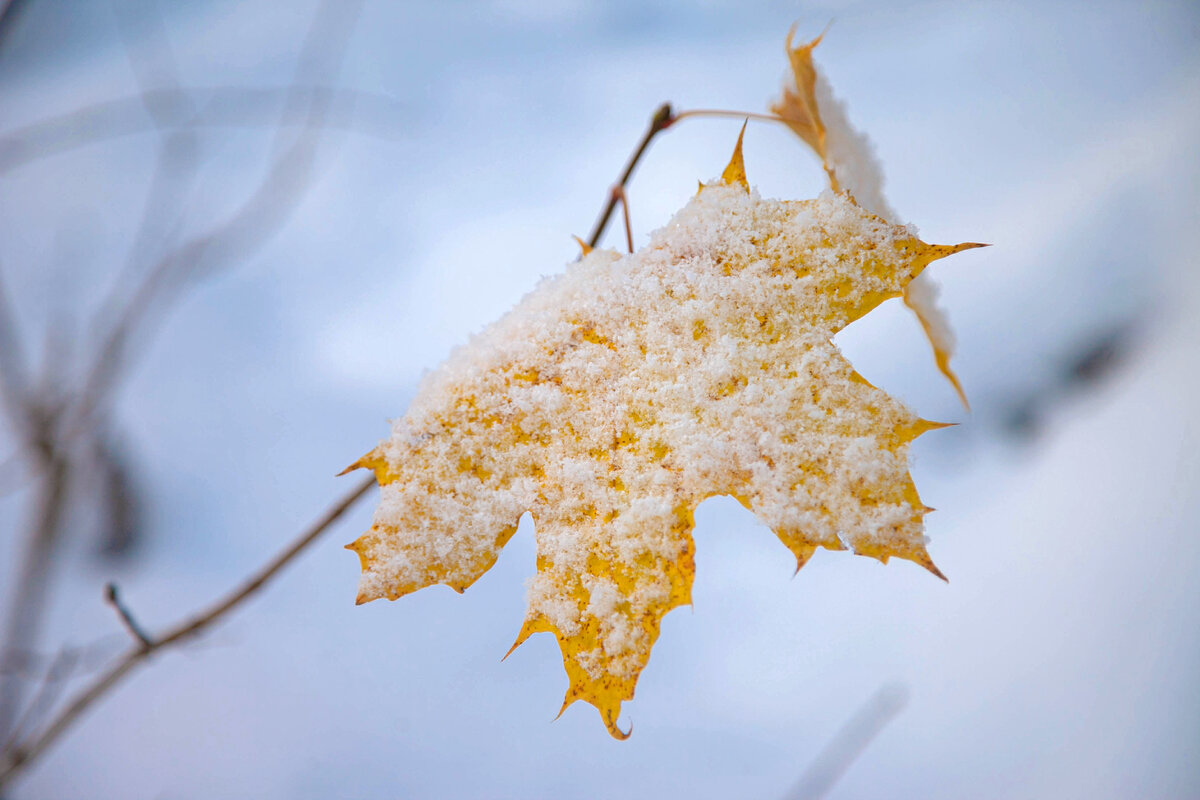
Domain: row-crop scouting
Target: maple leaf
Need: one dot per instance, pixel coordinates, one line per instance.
(619, 395)
(809, 108)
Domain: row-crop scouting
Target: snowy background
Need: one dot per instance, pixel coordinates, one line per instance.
(1060, 660)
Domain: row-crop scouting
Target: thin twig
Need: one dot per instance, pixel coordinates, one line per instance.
(849, 743)
(113, 597)
(177, 162)
(619, 191)
(148, 48)
(24, 753)
(28, 601)
(88, 658)
(36, 569)
(662, 119)
(260, 217)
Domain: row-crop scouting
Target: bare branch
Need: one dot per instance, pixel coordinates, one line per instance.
(262, 215)
(619, 191)
(364, 113)
(152, 60)
(23, 753)
(54, 430)
(56, 675)
(661, 120)
(849, 743)
(113, 597)
(28, 601)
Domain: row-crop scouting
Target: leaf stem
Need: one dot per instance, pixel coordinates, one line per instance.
(717, 112)
(663, 118)
(127, 619)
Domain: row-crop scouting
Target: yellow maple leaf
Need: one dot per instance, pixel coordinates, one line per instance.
(619, 395)
(807, 107)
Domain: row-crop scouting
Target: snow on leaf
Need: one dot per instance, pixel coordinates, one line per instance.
(809, 108)
(620, 394)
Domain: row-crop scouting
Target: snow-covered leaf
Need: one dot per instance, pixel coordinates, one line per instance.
(619, 395)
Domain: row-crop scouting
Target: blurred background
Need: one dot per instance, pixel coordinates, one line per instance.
(234, 234)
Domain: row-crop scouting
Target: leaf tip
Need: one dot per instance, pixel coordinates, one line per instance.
(584, 247)
(923, 426)
(922, 558)
(527, 630)
(934, 252)
(804, 48)
(735, 172)
(619, 734)
(609, 715)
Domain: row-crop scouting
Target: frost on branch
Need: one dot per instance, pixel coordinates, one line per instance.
(620, 394)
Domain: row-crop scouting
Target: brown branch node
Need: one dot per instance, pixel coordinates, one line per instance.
(113, 598)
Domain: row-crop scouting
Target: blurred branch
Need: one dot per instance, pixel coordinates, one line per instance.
(56, 675)
(88, 658)
(24, 615)
(135, 629)
(54, 421)
(120, 502)
(150, 56)
(250, 227)
(221, 107)
(619, 191)
(10, 12)
(849, 743)
(13, 380)
(21, 754)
